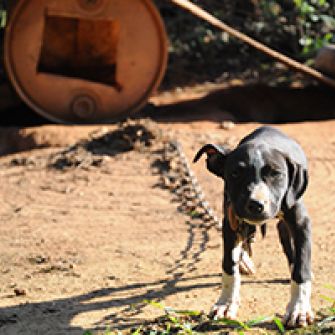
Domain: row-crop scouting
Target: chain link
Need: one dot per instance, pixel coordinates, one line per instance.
(178, 177)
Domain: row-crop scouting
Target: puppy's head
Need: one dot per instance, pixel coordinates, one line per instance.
(259, 181)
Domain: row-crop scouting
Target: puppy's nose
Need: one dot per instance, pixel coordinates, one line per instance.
(255, 206)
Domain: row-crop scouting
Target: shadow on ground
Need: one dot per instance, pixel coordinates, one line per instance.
(247, 103)
(56, 316)
(253, 103)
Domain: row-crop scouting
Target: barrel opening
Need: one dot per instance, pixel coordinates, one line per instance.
(80, 48)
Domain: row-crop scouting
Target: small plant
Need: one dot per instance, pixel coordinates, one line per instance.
(279, 325)
(191, 322)
(315, 25)
(194, 322)
(327, 315)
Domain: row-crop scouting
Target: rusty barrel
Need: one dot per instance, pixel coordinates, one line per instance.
(85, 61)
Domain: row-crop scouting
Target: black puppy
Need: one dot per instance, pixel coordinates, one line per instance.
(265, 177)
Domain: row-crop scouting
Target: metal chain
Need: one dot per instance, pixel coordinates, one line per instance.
(179, 178)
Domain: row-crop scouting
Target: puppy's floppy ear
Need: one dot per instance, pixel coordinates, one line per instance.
(216, 156)
(298, 181)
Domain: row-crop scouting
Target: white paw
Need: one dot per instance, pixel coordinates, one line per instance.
(226, 310)
(299, 312)
(229, 301)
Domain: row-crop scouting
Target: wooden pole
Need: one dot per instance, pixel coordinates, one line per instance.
(201, 13)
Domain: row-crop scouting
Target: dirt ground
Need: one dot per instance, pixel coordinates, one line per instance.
(82, 248)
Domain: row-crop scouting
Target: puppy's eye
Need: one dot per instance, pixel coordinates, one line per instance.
(235, 174)
(238, 171)
(271, 172)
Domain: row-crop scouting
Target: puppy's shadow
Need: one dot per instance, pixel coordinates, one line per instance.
(125, 303)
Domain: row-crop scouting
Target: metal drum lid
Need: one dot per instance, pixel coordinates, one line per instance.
(84, 61)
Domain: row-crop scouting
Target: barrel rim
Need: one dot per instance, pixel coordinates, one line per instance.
(29, 101)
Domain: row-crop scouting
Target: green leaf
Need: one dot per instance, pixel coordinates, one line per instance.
(187, 327)
(173, 319)
(137, 331)
(298, 3)
(306, 41)
(328, 37)
(194, 214)
(330, 287)
(188, 312)
(154, 303)
(306, 8)
(232, 323)
(324, 297)
(279, 325)
(259, 320)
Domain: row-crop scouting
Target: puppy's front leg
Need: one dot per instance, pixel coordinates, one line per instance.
(299, 311)
(229, 300)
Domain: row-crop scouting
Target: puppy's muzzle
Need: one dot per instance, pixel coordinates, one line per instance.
(258, 204)
(255, 207)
